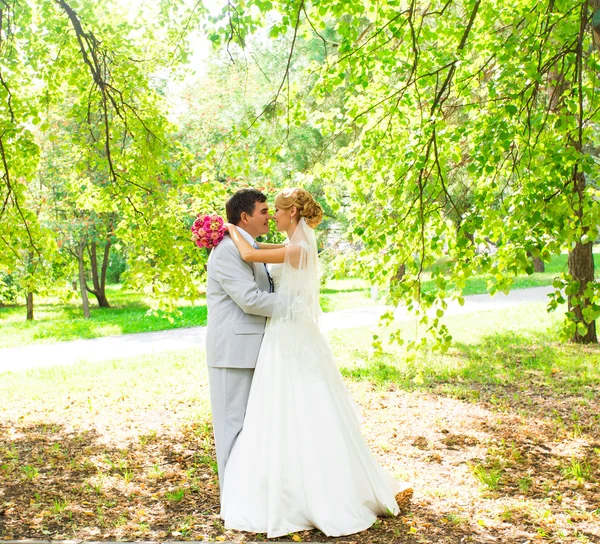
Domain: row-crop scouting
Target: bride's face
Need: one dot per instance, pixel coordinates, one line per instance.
(282, 218)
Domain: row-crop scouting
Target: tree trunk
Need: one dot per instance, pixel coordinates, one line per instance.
(538, 265)
(581, 259)
(581, 268)
(29, 306)
(399, 275)
(99, 280)
(104, 267)
(82, 284)
(29, 292)
(595, 6)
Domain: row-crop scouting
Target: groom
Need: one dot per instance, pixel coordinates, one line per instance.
(239, 298)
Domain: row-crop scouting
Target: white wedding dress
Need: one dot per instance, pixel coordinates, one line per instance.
(301, 461)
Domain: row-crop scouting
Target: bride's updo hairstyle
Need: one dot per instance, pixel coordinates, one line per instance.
(306, 205)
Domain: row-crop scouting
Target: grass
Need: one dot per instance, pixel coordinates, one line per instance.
(578, 471)
(489, 477)
(511, 361)
(354, 293)
(176, 496)
(486, 348)
(58, 321)
(357, 291)
(344, 294)
(129, 313)
(478, 284)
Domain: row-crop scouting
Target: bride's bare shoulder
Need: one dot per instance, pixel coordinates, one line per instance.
(297, 253)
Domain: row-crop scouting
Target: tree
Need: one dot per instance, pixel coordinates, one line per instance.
(442, 101)
(104, 70)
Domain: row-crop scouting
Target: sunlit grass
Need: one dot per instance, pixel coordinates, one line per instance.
(347, 293)
(479, 284)
(56, 320)
(495, 348)
(355, 293)
(129, 313)
(115, 386)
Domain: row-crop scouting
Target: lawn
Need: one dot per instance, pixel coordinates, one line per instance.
(500, 438)
(129, 313)
(56, 321)
(478, 284)
(343, 294)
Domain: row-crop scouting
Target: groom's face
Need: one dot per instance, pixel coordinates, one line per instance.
(257, 224)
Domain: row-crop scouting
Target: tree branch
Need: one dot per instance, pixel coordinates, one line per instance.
(440, 98)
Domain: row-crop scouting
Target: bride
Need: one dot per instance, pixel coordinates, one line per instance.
(300, 461)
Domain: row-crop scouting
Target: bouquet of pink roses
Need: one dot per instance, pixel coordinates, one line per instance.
(208, 230)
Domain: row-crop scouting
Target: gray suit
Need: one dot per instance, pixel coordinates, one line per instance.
(238, 301)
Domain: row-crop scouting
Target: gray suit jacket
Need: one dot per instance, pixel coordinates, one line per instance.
(238, 301)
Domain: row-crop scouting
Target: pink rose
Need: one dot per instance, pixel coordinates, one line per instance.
(208, 230)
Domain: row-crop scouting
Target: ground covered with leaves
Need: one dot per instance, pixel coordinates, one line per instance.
(500, 439)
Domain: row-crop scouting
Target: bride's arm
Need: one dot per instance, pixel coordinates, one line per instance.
(253, 255)
(270, 246)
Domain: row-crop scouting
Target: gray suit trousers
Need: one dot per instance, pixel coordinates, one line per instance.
(229, 391)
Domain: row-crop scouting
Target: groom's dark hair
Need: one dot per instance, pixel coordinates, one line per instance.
(243, 201)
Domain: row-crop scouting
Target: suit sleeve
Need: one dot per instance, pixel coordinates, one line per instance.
(237, 280)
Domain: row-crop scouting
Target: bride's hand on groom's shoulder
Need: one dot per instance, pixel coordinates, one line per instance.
(229, 226)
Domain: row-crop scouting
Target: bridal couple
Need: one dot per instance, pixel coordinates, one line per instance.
(290, 453)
